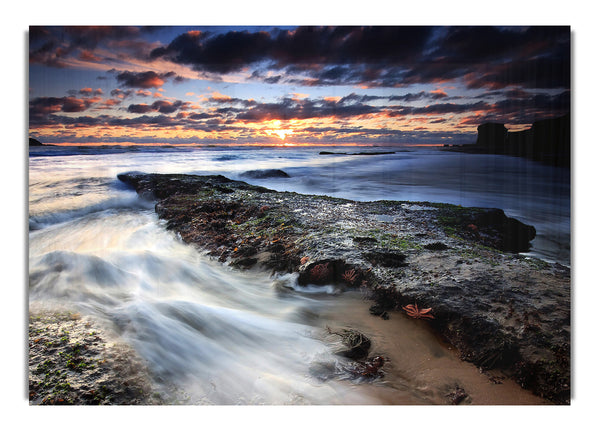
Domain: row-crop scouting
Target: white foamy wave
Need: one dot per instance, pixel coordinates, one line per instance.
(129, 202)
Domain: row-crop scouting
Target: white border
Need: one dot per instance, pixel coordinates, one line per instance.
(578, 14)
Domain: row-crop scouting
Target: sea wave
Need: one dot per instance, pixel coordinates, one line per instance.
(130, 202)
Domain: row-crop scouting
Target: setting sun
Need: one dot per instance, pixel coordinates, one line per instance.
(282, 133)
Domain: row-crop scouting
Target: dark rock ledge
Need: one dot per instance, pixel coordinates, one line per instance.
(502, 311)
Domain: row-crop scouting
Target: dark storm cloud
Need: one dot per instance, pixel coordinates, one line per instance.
(473, 45)
(349, 45)
(535, 73)
(166, 107)
(53, 45)
(162, 106)
(222, 53)
(91, 36)
(232, 101)
(439, 109)
(498, 57)
(107, 121)
(201, 116)
(121, 94)
(530, 109)
(493, 57)
(377, 56)
(48, 54)
(288, 109)
(140, 108)
(146, 80)
(43, 106)
(272, 79)
(413, 97)
(234, 50)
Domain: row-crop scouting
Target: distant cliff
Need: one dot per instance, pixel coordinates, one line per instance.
(35, 143)
(547, 141)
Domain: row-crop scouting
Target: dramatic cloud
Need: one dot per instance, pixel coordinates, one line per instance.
(53, 46)
(87, 91)
(48, 105)
(162, 106)
(121, 94)
(145, 80)
(361, 84)
(383, 56)
(225, 53)
(289, 109)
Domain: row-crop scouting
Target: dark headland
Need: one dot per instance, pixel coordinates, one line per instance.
(35, 143)
(547, 141)
(507, 314)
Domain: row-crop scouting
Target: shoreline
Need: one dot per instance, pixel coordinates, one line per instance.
(506, 314)
(500, 310)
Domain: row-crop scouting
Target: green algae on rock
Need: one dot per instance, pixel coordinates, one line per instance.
(71, 362)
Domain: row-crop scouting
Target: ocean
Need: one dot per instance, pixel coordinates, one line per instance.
(96, 247)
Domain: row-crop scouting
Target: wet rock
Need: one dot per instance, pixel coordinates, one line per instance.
(436, 246)
(364, 240)
(502, 232)
(356, 344)
(498, 310)
(456, 396)
(488, 345)
(265, 173)
(323, 272)
(164, 185)
(387, 258)
(379, 311)
(245, 262)
(488, 226)
(72, 363)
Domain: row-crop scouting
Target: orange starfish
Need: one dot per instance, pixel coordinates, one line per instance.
(413, 311)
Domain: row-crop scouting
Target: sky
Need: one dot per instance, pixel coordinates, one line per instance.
(300, 85)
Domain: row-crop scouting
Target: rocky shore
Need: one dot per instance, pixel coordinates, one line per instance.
(501, 310)
(74, 362)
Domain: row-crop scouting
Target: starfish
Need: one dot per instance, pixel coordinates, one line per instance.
(413, 311)
(350, 276)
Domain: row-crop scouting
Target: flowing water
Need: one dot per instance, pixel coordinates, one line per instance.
(214, 335)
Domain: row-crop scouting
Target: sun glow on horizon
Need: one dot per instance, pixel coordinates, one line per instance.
(278, 131)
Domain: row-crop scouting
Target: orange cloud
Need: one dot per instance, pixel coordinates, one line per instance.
(298, 96)
(220, 97)
(109, 103)
(439, 92)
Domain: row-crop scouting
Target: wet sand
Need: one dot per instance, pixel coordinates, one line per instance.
(421, 368)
